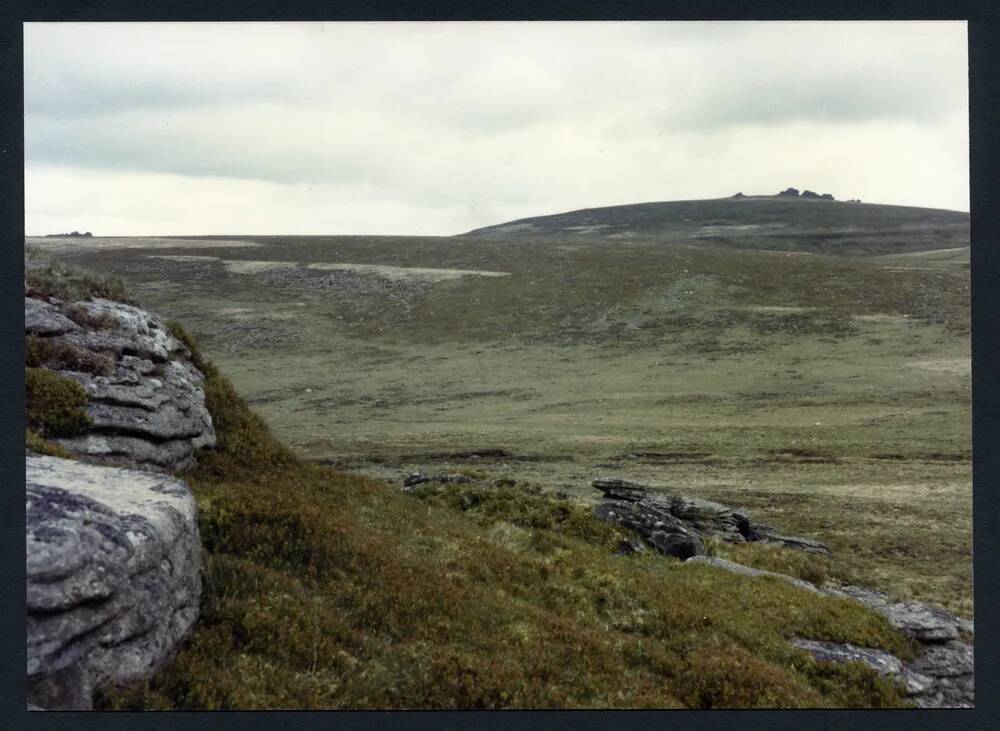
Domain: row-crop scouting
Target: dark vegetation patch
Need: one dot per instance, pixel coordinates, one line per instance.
(802, 455)
(474, 455)
(326, 590)
(57, 354)
(926, 456)
(55, 405)
(486, 455)
(85, 318)
(34, 442)
(653, 457)
(525, 506)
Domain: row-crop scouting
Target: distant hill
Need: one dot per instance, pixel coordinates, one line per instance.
(780, 223)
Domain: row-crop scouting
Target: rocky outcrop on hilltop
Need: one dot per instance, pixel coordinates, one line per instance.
(113, 585)
(146, 404)
(676, 525)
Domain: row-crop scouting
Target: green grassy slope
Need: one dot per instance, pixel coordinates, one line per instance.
(828, 394)
(326, 590)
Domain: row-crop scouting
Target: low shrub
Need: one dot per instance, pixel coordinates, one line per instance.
(245, 448)
(55, 404)
(57, 354)
(35, 443)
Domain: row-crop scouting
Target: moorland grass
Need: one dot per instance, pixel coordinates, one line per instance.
(328, 590)
(595, 348)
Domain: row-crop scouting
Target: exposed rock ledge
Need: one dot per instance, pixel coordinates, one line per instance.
(942, 674)
(113, 585)
(676, 525)
(146, 401)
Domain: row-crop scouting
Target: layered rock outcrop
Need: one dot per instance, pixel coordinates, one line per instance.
(146, 400)
(677, 526)
(113, 584)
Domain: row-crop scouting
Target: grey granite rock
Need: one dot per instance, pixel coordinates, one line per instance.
(921, 621)
(642, 509)
(884, 663)
(150, 413)
(620, 489)
(42, 318)
(655, 523)
(113, 583)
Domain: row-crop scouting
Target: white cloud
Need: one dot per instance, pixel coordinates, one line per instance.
(442, 127)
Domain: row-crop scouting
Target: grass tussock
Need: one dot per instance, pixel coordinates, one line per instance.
(55, 405)
(328, 590)
(808, 567)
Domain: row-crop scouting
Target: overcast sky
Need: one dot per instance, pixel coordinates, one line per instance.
(437, 128)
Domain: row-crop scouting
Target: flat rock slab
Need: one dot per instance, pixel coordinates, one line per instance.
(113, 584)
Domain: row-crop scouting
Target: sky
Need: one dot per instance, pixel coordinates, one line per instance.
(439, 128)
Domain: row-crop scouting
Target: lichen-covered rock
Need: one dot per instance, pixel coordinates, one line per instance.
(653, 522)
(113, 583)
(147, 410)
(42, 318)
(884, 663)
(634, 506)
(921, 621)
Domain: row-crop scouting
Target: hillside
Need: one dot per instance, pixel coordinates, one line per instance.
(327, 590)
(776, 223)
(828, 395)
